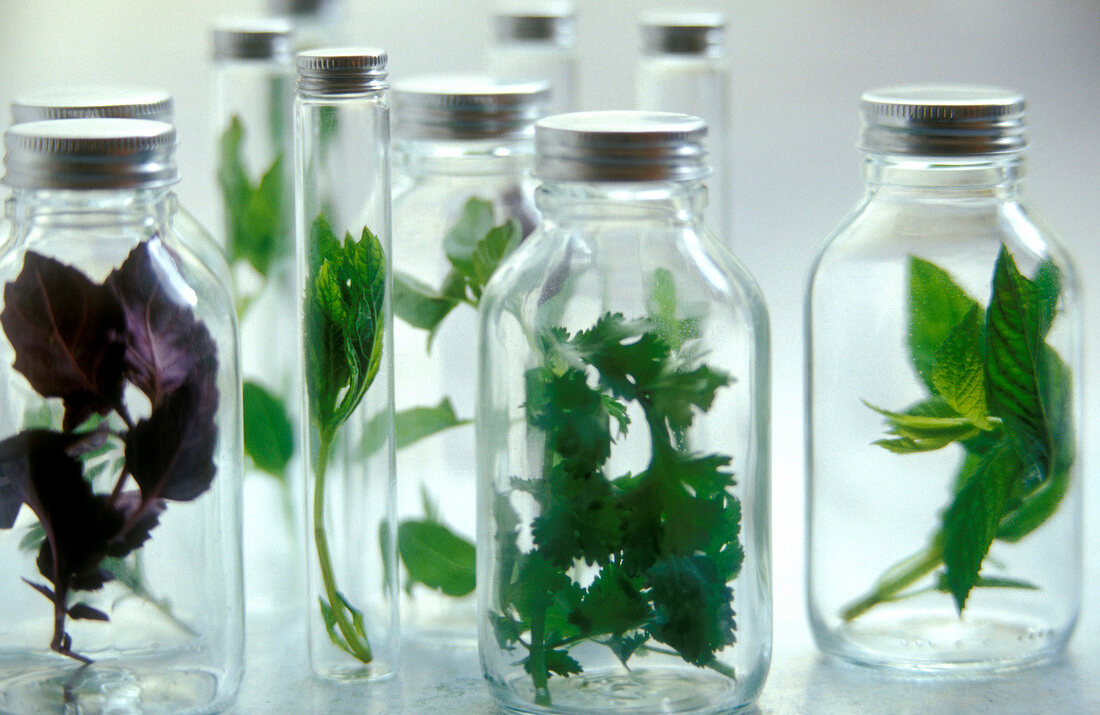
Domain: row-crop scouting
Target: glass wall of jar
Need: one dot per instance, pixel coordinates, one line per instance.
(622, 430)
(121, 103)
(465, 147)
(534, 42)
(342, 216)
(683, 68)
(120, 462)
(253, 100)
(943, 374)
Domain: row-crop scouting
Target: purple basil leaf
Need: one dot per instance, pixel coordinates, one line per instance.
(87, 613)
(67, 335)
(41, 588)
(165, 344)
(171, 454)
(129, 503)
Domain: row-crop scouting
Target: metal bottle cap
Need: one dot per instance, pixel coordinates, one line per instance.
(621, 146)
(77, 102)
(351, 70)
(535, 22)
(90, 154)
(942, 120)
(265, 38)
(683, 33)
(467, 107)
(302, 7)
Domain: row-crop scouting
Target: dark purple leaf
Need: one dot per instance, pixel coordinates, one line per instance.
(41, 588)
(144, 516)
(67, 335)
(165, 344)
(171, 454)
(82, 611)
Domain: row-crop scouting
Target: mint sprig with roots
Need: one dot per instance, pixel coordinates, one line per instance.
(998, 390)
(344, 298)
(84, 343)
(662, 544)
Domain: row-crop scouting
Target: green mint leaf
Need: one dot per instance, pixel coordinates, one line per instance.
(410, 426)
(936, 305)
(989, 582)
(268, 435)
(462, 240)
(926, 426)
(437, 557)
(970, 523)
(1035, 508)
(418, 304)
(958, 374)
(497, 243)
(692, 611)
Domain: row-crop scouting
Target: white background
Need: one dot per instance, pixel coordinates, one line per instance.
(798, 68)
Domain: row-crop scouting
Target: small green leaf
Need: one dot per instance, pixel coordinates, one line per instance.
(411, 425)
(989, 582)
(958, 373)
(662, 305)
(498, 242)
(612, 604)
(924, 427)
(936, 305)
(268, 434)
(32, 538)
(418, 304)
(461, 241)
(437, 557)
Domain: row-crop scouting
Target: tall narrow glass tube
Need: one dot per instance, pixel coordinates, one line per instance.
(533, 41)
(342, 215)
(253, 101)
(683, 68)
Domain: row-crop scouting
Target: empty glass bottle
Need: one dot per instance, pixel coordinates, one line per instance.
(465, 148)
(943, 375)
(534, 42)
(342, 217)
(683, 68)
(120, 462)
(253, 109)
(622, 430)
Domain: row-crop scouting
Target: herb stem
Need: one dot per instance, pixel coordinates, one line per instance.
(898, 578)
(358, 647)
(539, 675)
(714, 664)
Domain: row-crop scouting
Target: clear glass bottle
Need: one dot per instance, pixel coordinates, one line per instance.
(943, 375)
(342, 216)
(317, 23)
(253, 110)
(120, 418)
(534, 42)
(465, 147)
(622, 426)
(121, 103)
(683, 68)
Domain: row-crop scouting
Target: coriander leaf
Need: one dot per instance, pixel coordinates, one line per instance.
(66, 333)
(675, 393)
(573, 414)
(461, 241)
(970, 523)
(958, 373)
(497, 243)
(936, 305)
(534, 586)
(611, 604)
(418, 304)
(268, 434)
(437, 557)
(560, 662)
(582, 520)
(692, 611)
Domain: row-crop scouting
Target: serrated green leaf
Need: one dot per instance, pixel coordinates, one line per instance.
(924, 427)
(692, 608)
(970, 523)
(418, 304)
(611, 604)
(435, 556)
(958, 373)
(936, 305)
(268, 434)
(461, 241)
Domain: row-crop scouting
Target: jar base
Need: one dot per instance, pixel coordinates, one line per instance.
(657, 690)
(944, 643)
(110, 689)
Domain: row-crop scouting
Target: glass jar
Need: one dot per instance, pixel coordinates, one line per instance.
(683, 68)
(121, 103)
(465, 146)
(534, 42)
(622, 427)
(943, 375)
(254, 100)
(120, 463)
(342, 216)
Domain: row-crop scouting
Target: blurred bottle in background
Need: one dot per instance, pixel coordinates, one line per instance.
(534, 41)
(316, 23)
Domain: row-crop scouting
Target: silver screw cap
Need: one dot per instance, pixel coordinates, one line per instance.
(551, 22)
(261, 38)
(350, 70)
(621, 146)
(78, 102)
(90, 154)
(304, 8)
(942, 120)
(683, 33)
(467, 107)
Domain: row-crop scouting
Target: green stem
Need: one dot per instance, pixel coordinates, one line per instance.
(539, 674)
(358, 647)
(714, 664)
(898, 578)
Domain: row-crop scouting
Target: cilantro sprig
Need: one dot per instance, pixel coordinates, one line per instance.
(345, 291)
(665, 542)
(997, 389)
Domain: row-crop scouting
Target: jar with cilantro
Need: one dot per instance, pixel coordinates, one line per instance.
(943, 375)
(120, 454)
(622, 430)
